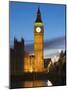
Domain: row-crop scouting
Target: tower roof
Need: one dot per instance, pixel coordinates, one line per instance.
(38, 12)
(38, 18)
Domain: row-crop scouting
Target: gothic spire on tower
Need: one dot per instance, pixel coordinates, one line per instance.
(38, 19)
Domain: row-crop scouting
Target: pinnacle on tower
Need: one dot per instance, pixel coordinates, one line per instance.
(38, 19)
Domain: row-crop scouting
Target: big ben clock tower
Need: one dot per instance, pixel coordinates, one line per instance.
(38, 43)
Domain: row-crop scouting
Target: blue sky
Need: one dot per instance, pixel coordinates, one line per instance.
(23, 16)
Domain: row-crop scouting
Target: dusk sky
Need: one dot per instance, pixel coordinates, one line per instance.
(23, 16)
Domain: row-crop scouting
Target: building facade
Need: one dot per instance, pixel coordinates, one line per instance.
(17, 57)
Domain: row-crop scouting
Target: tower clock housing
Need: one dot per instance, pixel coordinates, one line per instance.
(38, 43)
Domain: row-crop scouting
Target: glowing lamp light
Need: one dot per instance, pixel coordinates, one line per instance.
(31, 70)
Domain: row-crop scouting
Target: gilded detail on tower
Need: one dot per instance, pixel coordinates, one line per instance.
(35, 63)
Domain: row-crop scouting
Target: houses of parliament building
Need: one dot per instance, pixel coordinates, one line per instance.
(21, 61)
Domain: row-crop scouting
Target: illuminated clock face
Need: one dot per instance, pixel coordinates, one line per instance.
(38, 29)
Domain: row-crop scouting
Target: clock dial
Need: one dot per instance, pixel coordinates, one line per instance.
(38, 29)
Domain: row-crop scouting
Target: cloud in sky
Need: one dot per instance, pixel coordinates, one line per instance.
(57, 43)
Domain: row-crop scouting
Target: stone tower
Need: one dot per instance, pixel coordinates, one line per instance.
(38, 43)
